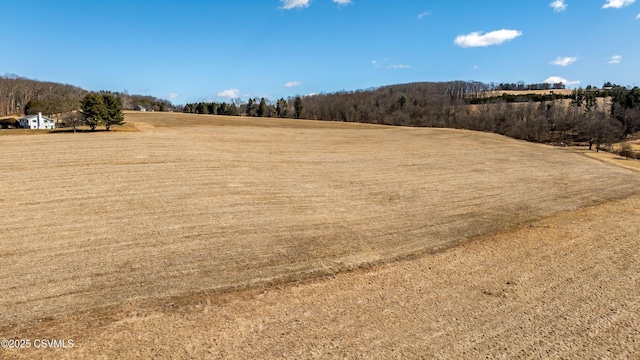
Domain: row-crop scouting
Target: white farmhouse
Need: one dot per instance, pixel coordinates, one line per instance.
(37, 122)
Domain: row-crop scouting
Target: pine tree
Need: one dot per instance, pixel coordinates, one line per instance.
(262, 108)
(297, 106)
(402, 101)
(249, 107)
(93, 110)
(202, 108)
(281, 108)
(114, 111)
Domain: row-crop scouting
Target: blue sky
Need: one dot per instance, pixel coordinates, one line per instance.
(195, 50)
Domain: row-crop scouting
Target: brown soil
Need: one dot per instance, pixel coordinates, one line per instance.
(176, 241)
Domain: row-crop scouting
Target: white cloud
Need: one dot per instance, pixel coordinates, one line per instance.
(385, 64)
(378, 64)
(399, 66)
(564, 61)
(558, 79)
(342, 2)
(292, 84)
(615, 59)
(558, 5)
(478, 39)
(638, 17)
(173, 96)
(291, 4)
(617, 4)
(426, 13)
(229, 93)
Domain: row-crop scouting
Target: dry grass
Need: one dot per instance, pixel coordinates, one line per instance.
(127, 127)
(97, 224)
(10, 132)
(563, 287)
(606, 157)
(633, 144)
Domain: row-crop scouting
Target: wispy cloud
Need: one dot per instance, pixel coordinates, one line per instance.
(229, 93)
(617, 4)
(293, 84)
(173, 96)
(378, 64)
(478, 39)
(558, 79)
(638, 17)
(564, 61)
(558, 5)
(385, 64)
(292, 4)
(399, 66)
(615, 59)
(426, 13)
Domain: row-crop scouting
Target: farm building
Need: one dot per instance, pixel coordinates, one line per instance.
(140, 108)
(37, 122)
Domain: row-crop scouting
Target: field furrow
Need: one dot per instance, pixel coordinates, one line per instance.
(98, 220)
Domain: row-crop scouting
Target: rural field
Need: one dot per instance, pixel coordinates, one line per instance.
(195, 236)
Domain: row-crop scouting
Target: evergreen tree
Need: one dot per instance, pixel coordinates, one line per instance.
(281, 108)
(35, 106)
(249, 107)
(223, 109)
(262, 108)
(212, 108)
(113, 111)
(298, 107)
(403, 100)
(93, 110)
(202, 108)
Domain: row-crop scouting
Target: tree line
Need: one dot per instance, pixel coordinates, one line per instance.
(19, 95)
(212, 108)
(576, 118)
(594, 116)
(521, 86)
(282, 108)
(597, 116)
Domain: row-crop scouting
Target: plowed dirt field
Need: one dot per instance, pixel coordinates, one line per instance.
(205, 237)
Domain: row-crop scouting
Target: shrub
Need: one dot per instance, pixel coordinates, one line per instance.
(626, 152)
(7, 123)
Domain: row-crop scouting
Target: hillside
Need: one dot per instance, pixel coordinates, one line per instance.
(563, 287)
(19, 95)
(545, 113)
(538, 112)
(180, 217)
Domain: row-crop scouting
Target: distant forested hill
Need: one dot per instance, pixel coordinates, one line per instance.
(534, 112)
(538, 112)
(19, 95)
